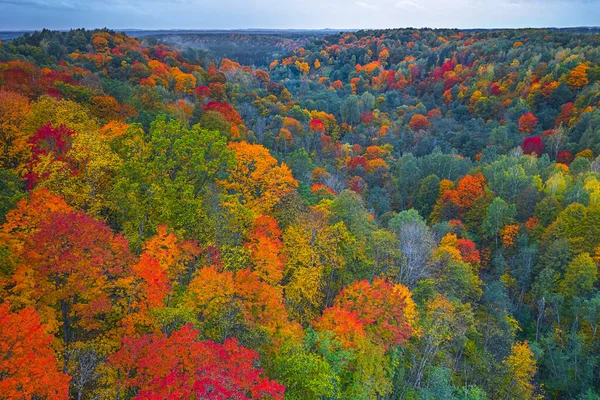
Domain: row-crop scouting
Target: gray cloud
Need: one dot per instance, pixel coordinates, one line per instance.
(210, 14)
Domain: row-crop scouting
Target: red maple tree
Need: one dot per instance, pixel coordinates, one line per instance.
(155, 366)
(28, 367)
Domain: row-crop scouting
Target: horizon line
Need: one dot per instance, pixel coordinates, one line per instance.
(26, 30)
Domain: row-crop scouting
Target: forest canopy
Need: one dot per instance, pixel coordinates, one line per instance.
(390, 214)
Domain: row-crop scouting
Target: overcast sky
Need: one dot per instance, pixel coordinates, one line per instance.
(337, 14)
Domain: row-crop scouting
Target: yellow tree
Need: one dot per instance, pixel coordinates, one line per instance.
(520, 368)
(304, 295)
(89, 186)
(185, 83)
(72, 115)
(578, 76)
(314, 252)
(441, 322)
(303, 67)
(14, 109)
(257, 182)
(240, 305)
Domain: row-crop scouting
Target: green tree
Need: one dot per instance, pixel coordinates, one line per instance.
(306, 375)
(498, 214)
(427, 195)
(164, 180)
(580, 277)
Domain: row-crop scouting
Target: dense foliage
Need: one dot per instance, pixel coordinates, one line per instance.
(399, 214)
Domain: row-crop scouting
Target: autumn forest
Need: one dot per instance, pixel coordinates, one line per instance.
(385, 214)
